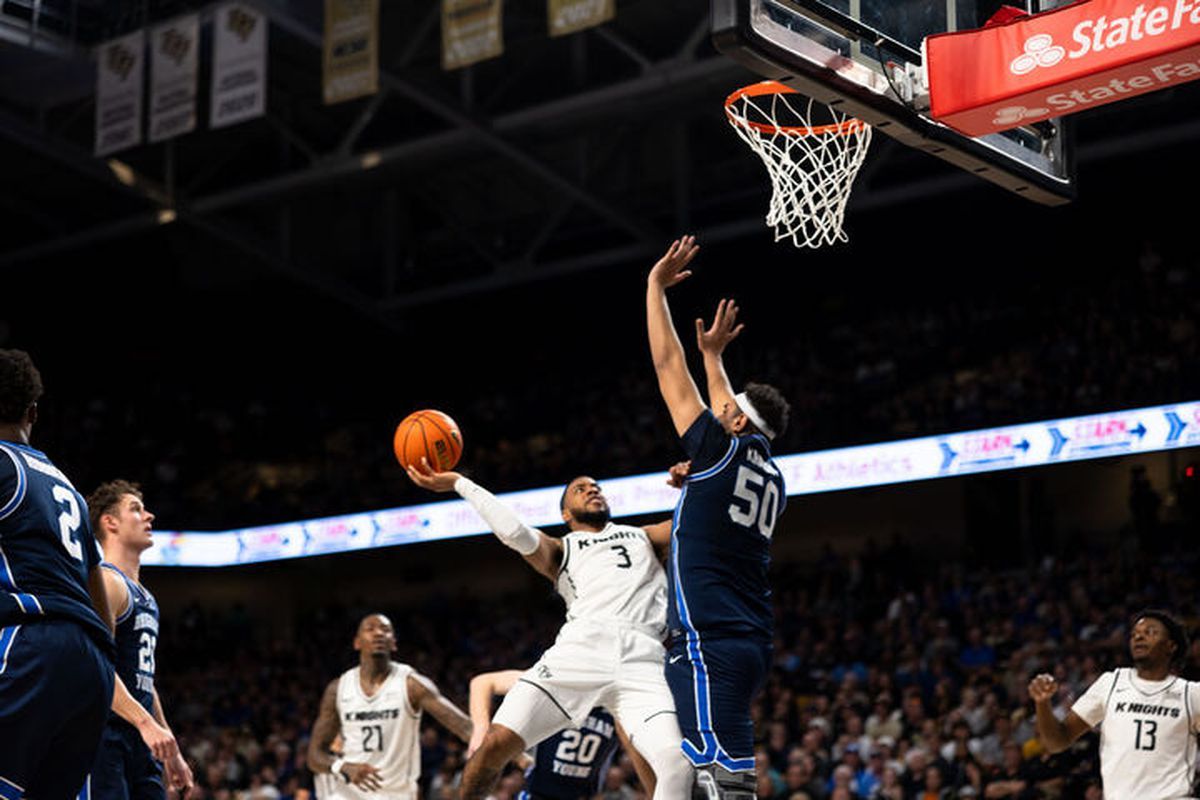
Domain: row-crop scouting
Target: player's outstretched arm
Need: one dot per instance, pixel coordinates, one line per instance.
(1056, 735)
(542, 552)
(670, 365)
(479, 703)
(424, 694)
(712, 343)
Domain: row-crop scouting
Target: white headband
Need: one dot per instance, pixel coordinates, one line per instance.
(750, 411)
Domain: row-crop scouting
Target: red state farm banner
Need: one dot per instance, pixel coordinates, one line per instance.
(1061, 62)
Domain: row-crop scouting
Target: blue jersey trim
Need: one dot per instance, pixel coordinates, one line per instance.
(7, 581)
(86, 792)
(713, 751)
(7, 637)
(10, 790)
(720, 465)
(14, 502)
(128, 591)
(28, 603)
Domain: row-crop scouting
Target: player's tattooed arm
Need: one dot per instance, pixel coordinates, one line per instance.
(670, 365)
(424, 695)
(325, 730)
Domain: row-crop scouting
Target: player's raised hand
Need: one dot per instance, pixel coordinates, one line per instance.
(364, 776)
(678, 473)
(424, 476)
(724, 329)
(1043, 688)
(672, 267)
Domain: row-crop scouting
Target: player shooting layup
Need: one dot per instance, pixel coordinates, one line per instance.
(608, 653)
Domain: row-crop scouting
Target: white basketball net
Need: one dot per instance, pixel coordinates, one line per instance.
(812, 167)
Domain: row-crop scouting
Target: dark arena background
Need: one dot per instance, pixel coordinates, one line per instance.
(237, 318)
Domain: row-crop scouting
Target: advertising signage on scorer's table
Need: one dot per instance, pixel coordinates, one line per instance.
(1143, 430)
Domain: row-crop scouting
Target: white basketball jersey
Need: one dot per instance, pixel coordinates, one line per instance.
(613, 575)
(382, 730)
(1147, 734)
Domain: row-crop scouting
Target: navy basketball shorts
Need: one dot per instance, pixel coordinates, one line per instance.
(124, 769)
(713, 682)
(56, 687)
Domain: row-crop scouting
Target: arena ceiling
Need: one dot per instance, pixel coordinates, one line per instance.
(560, 156)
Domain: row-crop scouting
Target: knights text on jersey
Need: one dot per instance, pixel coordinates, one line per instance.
(613, 575)
(137, 639)
(1147, 734)
(382, 730)
(721, 534)
(571, 764)
(46, 545)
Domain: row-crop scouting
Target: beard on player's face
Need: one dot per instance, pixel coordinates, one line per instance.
(596, 517)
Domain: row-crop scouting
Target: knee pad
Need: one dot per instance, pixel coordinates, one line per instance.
(714, 782)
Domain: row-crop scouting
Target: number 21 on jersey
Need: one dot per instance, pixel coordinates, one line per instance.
(759, 501)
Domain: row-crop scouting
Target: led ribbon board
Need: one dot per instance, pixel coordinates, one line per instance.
(1143, 430)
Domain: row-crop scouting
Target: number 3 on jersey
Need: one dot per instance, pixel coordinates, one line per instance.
(761, 498)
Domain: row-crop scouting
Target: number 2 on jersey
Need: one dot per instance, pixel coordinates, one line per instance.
(762, 501)
(68, 521)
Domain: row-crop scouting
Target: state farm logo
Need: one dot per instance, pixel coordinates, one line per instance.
(1040, 51)
(1013, 115)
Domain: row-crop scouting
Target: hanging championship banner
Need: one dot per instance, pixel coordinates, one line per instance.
(569, 16)
(351, 49)
(119, 82)
(173, 77)
(239, 83)
(471, 31)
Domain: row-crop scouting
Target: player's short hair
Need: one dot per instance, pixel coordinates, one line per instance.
(1175, 630)
(106, 498)
(20, 385)
(770, 403)
(562, 499)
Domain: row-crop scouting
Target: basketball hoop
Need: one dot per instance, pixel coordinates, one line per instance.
(812, 167)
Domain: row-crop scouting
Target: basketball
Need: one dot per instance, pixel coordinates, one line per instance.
(428, 434)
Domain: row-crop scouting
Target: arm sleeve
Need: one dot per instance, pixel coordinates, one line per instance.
(499, 517)
(705, 442)
(1090, 707)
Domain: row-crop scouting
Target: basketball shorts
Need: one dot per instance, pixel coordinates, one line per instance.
(56, 686)
(590, 664)
(713, 682)
(124, 769)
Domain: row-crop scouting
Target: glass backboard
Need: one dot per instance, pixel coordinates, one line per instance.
(864, 58)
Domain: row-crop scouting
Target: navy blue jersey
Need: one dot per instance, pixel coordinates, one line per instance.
(571, 764)
(137, 637)
(721, 534)
(46, 545)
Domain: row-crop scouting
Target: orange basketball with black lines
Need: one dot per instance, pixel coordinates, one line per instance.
(428, 434)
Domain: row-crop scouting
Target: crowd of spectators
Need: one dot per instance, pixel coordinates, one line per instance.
(893, 678)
